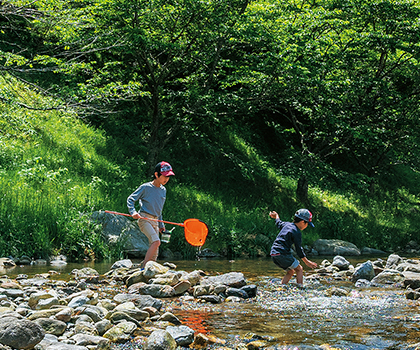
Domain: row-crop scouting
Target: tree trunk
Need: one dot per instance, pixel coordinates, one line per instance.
(302, 189)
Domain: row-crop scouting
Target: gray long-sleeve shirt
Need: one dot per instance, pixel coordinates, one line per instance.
(151, 200)
(289, 234)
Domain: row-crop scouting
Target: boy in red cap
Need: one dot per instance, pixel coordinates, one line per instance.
(290, 233)
(151, 196)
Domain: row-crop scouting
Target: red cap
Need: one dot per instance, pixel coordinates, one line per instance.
(164, 168)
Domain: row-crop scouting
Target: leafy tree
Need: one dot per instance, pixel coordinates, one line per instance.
(337, 79)
(147, 64)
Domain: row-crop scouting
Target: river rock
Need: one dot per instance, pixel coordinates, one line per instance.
(84, 325)
(388, 276)
(130, 309)
(335, 247)
(103, 326)
(412, 294)
(362, 283)
(393, 261)
(371, 251)
(202, 290)
(121, 332)
(37, 296)
(64, 314)
(412, 279)
(251, 290)
(152, 268)
(118, 316)
(170, 317)
(20, 333)
(46, 304)
(182, 287)
(127, 263)
(193, 277)
(155, 290)
(365, 271)
(340, 262)
(136, 277)
(78, 301)
(86, 340)
(231, 279)
(170, 278)
(214, 299)
(236, 292)
(65, 346)
(118, 229)
(7, 262)
(409, 267)
(96, 314)
(160, 340)
(183, 335)
(141, 301)
(52, 326)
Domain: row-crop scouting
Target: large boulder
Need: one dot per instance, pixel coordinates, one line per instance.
(335, 247)
(119, 229)
(20, 333)
(372, 251)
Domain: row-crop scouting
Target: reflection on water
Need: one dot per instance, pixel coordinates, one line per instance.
(365, 319)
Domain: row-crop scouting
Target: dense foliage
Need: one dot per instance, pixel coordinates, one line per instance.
(258, 105)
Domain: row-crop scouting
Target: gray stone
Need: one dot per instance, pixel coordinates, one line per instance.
(251, 290)
(183, 335)
(372, 251)
(155, 290)
(121, 230)
(236, 292)
(340, 262)
(65, 346)
(122, 263)
(412, 279)
(231, 279)
(121, 332)
(141, 301)
(160, 340)
(170, 317)
(52, 326)
(393, 261)
(388, 276)
(335, 247)
(20, 333)
(364, 271)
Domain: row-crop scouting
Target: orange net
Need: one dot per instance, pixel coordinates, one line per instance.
(195, 232)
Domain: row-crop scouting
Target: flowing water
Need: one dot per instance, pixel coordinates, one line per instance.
(289, 317)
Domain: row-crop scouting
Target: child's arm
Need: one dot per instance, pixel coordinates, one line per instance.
(309, 263)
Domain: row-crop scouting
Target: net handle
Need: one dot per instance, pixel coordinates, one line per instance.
(142, 217)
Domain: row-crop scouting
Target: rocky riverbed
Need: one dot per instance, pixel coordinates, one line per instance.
(162, 307)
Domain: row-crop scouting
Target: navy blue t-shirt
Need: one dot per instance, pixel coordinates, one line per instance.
(289, 234)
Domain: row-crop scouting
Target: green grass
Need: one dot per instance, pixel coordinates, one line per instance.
(56, 170)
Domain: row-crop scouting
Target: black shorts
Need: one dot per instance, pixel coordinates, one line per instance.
(286, 262)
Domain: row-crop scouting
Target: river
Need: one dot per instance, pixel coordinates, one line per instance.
(289, 317)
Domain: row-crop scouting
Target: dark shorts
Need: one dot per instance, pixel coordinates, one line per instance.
(286, 262)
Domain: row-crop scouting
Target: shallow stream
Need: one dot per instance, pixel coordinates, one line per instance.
(288, 317)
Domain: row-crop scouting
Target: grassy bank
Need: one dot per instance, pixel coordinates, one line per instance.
(56, 170)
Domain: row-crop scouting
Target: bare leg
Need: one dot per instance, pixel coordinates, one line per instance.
(152, 252)
(299, 274)
(288, 276)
